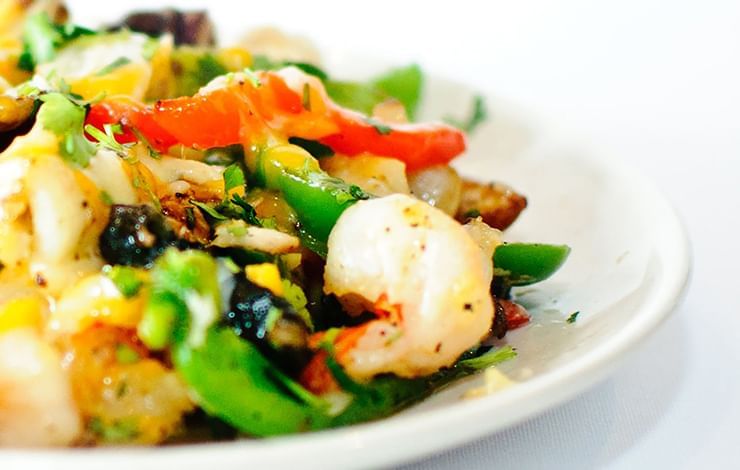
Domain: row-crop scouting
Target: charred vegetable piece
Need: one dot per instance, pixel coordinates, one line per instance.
(497, 204)
(521, 264)
(17, 116)
(191, 27)
(136, 236)
(269, 322)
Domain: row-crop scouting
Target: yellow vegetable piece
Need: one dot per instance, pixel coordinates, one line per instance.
(21, 313)
(131, 79)
(234, 58)
(265, 275)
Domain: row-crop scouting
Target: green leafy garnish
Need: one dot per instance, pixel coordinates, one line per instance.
(125, 278)
(107, 139)
(233, 177)
(42, 38)
(478, 115)
(65, 118)
(210, 211)
(573, 317)
(120, 62)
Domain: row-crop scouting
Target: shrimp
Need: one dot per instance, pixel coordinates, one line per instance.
(36, 404)
(423, 276)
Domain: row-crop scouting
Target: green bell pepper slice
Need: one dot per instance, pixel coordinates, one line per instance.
(317, 198)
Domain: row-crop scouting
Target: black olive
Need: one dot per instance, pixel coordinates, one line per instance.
(269, 322)
(136, 236)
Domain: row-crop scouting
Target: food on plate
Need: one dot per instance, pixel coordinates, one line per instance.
(201, 242)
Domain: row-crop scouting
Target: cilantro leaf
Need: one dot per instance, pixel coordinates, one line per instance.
(233, 177)
(573, 317)
(64, 118)
(478, 115)
(107, 139)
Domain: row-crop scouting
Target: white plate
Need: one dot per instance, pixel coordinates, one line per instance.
(628, 268)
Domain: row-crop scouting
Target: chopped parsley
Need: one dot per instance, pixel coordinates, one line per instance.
(476, 118)
(471, 214)
(573, 317)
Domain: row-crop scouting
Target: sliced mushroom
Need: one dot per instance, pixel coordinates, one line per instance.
(497, 204)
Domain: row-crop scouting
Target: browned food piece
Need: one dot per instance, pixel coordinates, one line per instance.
(187, 220)
(16, 118)
(497, 204)
(191, 27)
(14, 112)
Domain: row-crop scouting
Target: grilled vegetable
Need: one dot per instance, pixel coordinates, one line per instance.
(497, 204)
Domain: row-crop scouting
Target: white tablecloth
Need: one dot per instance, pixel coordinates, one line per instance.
(654, 82)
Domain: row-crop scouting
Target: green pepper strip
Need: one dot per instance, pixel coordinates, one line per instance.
(236, 383)
(317, 198)
(521, 264)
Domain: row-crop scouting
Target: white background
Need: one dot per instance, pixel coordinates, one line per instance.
(655, 83)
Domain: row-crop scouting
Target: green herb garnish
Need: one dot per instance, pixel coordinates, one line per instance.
(478, 115)
(65, 118)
